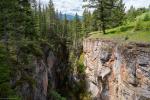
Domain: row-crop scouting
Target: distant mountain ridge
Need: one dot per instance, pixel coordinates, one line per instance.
(71, 17)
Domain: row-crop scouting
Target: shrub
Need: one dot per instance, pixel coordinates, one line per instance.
(4, 90)
(56, 96)
(81, 67)
(85, 96)
(138, 25)
(146, 17)
(147, 26)
(8, 93)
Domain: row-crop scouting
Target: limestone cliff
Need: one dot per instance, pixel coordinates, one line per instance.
(32, 81)
(117, 71)
(43, 74)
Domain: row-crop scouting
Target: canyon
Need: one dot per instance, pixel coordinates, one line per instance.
(114, 71)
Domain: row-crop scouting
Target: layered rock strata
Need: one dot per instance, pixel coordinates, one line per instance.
(117, 71)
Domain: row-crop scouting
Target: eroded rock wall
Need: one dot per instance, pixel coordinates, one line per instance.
(117, 72)
(43, 74)
(32, 81)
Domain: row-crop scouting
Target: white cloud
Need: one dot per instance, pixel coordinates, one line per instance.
(67, 6)
(136, 3)
(75, 6)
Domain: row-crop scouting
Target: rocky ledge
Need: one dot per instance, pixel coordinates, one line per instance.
(117, 71)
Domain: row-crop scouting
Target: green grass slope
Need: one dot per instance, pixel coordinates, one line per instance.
(137, 31)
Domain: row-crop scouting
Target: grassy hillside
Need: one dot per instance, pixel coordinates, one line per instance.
(137, 31)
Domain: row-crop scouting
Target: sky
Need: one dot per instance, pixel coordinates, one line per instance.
(75, 6)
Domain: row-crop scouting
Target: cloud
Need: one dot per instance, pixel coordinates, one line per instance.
(67, 6)
(75, 6)
(136, 3)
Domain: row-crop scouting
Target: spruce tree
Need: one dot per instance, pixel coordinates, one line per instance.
(40, 18)
(94, 21)
(87, 22)
(131, 14)
(51, 18)
(76, 30)
(65, 26)
(107, 11)
(117, 14)
(27, 19)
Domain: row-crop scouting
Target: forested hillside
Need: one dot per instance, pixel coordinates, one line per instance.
(41, 50)
(136, 30)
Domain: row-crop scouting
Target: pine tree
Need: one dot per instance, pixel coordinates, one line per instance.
(65, 26)
(117, 14)
(87, 22)
(40, 17)
(60, 27)
(27, 19)
(57, 23)
(107, 11)
(94, 21)
(44, 22)
(51, 18)
(36, 16)
(131, 14)
(76, 30)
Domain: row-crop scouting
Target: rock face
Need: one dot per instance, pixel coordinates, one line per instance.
(117, 72)
(34, 80)
(41, 78)
(44, 73)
